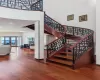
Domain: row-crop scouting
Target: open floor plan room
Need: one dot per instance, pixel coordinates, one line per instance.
(49, 40)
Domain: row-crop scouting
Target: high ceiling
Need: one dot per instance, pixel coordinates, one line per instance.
(12, 25)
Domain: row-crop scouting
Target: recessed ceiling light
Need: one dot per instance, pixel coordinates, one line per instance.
(21, 31)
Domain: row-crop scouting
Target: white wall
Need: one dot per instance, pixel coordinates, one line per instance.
(20, 14)
(10, 34)
(98, 32)
(59, 9)
(50, 38)
(26, 35)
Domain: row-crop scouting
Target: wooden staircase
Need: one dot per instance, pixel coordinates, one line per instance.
(62, 58)
(72, 44)
(78, 44)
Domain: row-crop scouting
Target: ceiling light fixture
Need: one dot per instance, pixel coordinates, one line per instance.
(21, 31)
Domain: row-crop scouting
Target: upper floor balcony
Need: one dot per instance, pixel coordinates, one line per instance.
(35, 5)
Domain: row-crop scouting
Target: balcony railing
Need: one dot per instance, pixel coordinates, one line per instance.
(23, 4)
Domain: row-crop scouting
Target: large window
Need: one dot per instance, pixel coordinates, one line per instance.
(7, 41)
(10, 40)
(2, 40)
(14, 41)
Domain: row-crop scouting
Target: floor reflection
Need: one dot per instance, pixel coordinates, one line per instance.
(16, 53)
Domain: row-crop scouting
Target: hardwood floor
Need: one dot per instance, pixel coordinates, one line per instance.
(21, 65)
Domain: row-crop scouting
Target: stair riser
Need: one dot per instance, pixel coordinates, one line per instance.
(63, 58)
(71, 66)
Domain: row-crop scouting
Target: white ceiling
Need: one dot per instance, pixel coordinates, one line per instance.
(12, 25)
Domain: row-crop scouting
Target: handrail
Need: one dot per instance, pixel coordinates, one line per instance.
(86, 42)
(53, 19)
(59, 43)
(74, 31)
(55, 46)
(79, 41)
(22, 4)
(54, 24)
(55, 40)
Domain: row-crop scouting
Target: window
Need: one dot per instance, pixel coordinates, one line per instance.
(2, 40)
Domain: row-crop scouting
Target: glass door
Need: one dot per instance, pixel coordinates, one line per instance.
(7, 41)
(18, 41)
(2, 40)
(13, 41)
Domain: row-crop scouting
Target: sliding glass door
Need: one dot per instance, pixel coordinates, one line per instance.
(7, 41)
(13, 41)
(2, 40)
(10, 40)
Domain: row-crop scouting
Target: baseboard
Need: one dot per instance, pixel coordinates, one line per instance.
(98, 65)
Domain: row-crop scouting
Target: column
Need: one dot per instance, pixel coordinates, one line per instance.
(39, 40)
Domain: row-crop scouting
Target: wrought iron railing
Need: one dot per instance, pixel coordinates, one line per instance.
(59, 43)
(78, 31)
(53, 24)
(23, 4)
(38, 6)
(79, 48)
(70, 42)
(55, 46)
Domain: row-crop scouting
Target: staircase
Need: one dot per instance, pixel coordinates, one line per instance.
(74, 46)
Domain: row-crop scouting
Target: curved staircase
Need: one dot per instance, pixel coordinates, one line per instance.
(72, 44)
(73, 47)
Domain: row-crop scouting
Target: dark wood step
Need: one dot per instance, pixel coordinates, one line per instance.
(64, 62)
(65, 53)
(73, 37)
(65, 57)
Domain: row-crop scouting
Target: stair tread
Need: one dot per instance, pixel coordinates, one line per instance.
(61, 61)
(66, 52)
(64, 56)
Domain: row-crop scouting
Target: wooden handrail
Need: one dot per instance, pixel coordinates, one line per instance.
(55, 40)
(78, 27)
(53, 19)
(80, 41)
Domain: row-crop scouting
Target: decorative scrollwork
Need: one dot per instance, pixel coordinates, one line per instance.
(23, 4)
(38, 6)
(78, 31)
(53, 24)
(56, 45)
(83, 46)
